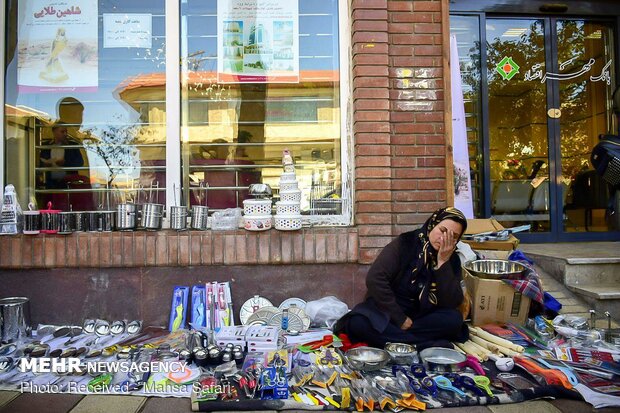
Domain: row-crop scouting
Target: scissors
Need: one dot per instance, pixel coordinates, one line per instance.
(465, 383)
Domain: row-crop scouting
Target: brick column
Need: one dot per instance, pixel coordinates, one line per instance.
(417, 111)
(400, 143)
(371, 106)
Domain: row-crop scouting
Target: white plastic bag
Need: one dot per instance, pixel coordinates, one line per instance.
(326, 311)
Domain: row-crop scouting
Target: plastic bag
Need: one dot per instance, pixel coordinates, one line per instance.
(326, 311)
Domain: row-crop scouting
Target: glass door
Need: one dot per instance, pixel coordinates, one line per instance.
(584, 82)
(550, 83)
(518, 126)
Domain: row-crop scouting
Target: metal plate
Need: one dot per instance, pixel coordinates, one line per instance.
(262, 316)
(251, 306)
(293, 301)
(302, 314)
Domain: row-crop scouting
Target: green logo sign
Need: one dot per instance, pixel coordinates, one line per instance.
(507, 68)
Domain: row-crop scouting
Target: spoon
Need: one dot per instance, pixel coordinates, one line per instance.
(483, 382)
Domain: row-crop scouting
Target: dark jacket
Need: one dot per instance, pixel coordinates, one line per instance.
(385, 275)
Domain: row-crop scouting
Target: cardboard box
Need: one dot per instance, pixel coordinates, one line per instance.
(476, 226)
(494, 301)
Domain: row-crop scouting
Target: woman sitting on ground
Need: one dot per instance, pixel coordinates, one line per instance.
(414, 289)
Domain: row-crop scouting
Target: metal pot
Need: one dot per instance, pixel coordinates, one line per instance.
(178, 218)
(14, 319)
(367, 358)
(441, 359)
(200, 215)
(66, 223)
(106, 220)
(152, 216)
(126, 217)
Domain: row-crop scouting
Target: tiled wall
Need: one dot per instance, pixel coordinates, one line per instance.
(171, 248)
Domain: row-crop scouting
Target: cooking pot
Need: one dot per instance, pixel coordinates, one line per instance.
(367, 358)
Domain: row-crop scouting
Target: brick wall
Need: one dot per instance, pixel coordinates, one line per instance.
(399, 135)
(171, 248)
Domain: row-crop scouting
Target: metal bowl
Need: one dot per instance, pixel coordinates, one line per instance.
(367, 358)
(495, 269)
(402, 353)
(441, 359)
(260, 191)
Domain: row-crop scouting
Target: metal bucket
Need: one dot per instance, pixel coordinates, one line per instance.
(152, 216)
(32, 222)
(126, 217)
(178, 218)
(80, 221)
(199, 217)
(66, 222)
(14, 319)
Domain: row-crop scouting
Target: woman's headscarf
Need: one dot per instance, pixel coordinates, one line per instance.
(427, 255)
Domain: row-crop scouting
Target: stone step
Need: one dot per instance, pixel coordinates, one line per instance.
(598, 291)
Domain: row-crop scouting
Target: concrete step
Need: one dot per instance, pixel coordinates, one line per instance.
(590, 270)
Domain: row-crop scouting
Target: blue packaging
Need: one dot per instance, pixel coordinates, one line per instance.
(198, 319)
(178, 310)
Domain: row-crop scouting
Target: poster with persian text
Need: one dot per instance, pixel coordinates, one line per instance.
(257, 41)
(57, 47)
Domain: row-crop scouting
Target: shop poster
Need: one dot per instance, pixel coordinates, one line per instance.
(258, 41)
(462, 179)
(127, 30)
(58, 46)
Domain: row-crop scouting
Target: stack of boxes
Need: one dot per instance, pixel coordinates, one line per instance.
(288, 213)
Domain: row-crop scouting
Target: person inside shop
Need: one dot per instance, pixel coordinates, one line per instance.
(414, 289)
(59, 157)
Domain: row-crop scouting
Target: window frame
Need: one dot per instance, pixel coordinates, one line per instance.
(175, 132)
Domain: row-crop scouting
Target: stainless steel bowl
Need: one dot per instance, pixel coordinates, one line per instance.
(367, 358)
(441, 359)
(495, 269)
(260, 191)
(402, 353)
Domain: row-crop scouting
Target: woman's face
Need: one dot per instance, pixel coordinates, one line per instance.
(443, 228)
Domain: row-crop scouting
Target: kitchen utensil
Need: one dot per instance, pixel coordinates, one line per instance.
(402, 353)
(178, 218)
(515, 381)
(89, 326)
(152, 216)
(14, 319)
(495, 269)
(287, 222)
(262, 316)
(572, 379)
(200, 215)
(260, 190)
(94, 225)
(80, 221)
(483, 382)
(49, 220)
(32, 221)
(441, 359)
(551, 377)
(293, 301)
(502, 363)
(134, 327)
(126, 217)
(251, 306)
(102, 328)
(257, 222)
(302, 314)
(367, 358)
(257, 207)
(118, 327)
(444, 383)
(295, 322)
(65, 223)
(106, 220)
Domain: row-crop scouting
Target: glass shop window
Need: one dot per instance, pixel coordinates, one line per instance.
(82, 131)
(254, 83)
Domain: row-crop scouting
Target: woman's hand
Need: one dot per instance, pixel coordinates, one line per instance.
(407, 324)
(448, 244)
